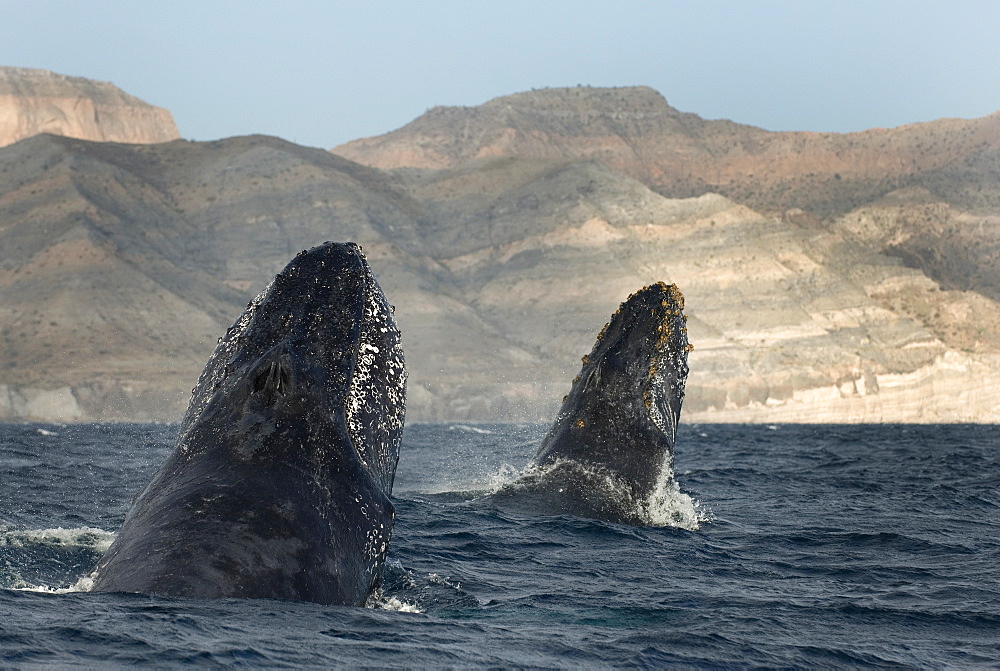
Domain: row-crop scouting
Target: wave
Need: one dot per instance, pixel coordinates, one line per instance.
(84, 584)
(88, 538)
(33, 559)
(469, 429)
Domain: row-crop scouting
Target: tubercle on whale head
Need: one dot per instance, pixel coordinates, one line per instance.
(320, 335)
(311, 306)
(667, 374)
(646, 339)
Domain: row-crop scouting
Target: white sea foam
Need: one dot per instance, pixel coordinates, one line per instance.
(97, 540)
(436, 579)
(666, 506)
(379, 601)
(468, 429)
(84, 584)
(398, 605)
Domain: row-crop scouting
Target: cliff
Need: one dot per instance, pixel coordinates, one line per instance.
(634, 130)
(120, 265)
(39, 101)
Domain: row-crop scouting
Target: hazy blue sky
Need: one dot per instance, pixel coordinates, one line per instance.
(321, 73)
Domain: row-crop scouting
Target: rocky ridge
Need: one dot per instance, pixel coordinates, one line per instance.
(953, 164)
(38, 101)
(121, 264)
(634, 130)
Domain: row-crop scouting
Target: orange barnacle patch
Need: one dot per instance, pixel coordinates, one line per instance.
(689, 348)
(585, 358)
(565, 398)
(580, 424)
(576, 379)
(676, 295)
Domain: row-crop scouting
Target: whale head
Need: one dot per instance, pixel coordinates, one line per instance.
(279, 484)
(622, 411)
(317, 348)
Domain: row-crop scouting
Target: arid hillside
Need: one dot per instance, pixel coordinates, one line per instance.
(39, 101)
(934, 186)
(121, 264)
(634, 130)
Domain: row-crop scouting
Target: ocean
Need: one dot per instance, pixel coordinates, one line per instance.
(785, 546)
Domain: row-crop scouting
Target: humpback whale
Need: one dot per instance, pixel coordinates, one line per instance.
(278, 485)
(611, 446)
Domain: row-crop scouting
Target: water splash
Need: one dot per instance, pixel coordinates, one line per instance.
(84, 584)
(88, 538)
(380, 601)
(69, 551)
(666, 505)
(504, 476)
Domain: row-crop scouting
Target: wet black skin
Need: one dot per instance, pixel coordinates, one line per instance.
(619, 419)
(278, 486)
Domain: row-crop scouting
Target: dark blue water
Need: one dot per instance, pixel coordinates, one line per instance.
(817, 546)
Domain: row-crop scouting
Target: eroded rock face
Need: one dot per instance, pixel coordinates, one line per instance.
(634, 130)
(121, 265)
(39, 101)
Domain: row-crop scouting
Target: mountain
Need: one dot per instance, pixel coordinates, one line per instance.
(634, 130)
(936, 186)
(39, 101)
(120, 265)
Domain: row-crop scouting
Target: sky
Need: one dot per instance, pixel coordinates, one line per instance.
(324, 72)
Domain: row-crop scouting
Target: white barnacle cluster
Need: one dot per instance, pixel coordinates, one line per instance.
(376, 402)
(376, 535)
(376, 546)
(668, 368)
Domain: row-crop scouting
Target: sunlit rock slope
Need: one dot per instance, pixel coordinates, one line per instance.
(39, 101)
(120, 265)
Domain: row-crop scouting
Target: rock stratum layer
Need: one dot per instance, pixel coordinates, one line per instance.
(39, 101)
(120, 265)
